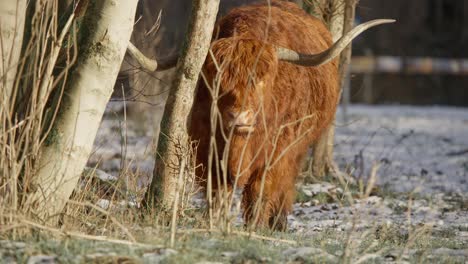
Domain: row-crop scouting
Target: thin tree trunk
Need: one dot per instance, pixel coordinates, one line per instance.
(12, 17)
(173, 139)
(345, 58)
(108, 25)
(341, 21)
(317, 8)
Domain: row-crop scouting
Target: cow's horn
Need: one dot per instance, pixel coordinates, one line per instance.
(327, 55)
(150, 64)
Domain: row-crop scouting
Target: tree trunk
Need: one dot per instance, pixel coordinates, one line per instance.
(345, 59)
(12, 16)
(173, 139)
(107, 25)
(341, 21)
(317, 8)
(348, 23)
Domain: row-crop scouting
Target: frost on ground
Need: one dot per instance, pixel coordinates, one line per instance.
(418, 148)
(424, 148)
(418, 214)
(423, 157)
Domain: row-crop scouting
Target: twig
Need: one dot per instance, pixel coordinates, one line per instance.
(156, 25)
(52, 62)
(240, 233)
(88, 237)
(176, 201)
(457, 153)
(99, 209)
(372, 180)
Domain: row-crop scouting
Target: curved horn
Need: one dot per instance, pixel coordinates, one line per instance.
(150, 64)
(329, 54)
(168, 62)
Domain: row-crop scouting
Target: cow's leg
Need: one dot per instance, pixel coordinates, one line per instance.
(284, 196)
(283, 177)
(257, 211)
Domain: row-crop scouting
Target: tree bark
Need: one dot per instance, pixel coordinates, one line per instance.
(173, 139)
(107, 25)
(341, 21)
(317, 8)
(12, 17)
(348, 23)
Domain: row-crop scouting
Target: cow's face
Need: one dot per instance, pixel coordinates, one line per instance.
(241, 74)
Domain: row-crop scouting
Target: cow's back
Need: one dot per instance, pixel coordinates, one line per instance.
(282, 23)
(300, 91)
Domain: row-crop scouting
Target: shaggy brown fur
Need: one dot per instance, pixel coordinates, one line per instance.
(293, 104)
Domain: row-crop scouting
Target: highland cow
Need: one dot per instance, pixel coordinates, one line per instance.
(273, 75)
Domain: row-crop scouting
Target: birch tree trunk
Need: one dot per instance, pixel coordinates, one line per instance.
(173, 139)
(107, 25)
(340, 22)
(12, 17)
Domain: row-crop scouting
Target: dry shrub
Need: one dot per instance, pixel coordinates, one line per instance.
(26, 116)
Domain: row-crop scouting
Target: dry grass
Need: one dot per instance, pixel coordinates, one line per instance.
(27, 115)
(97, 210)
(109, 211)
(26, 122)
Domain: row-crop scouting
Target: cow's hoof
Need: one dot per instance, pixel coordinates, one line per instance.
(279, 222)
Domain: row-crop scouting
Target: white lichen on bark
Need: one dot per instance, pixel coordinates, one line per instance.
(109, 26)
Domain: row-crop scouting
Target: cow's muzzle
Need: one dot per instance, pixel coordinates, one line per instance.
(240, 122)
